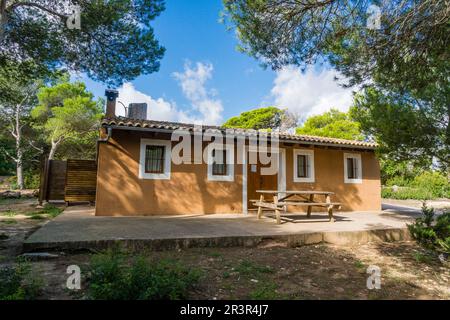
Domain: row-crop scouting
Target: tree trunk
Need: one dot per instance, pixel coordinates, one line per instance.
(19, 151)
(55, 145)
(3, 18)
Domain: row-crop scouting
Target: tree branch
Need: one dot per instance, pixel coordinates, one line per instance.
(35, 5)
(9, 155)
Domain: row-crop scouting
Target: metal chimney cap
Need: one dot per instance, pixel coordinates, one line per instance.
(111, 94)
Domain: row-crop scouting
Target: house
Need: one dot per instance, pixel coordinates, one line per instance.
(138, 173)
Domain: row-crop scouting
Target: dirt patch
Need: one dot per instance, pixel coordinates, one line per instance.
(18, 219)
(276, 272)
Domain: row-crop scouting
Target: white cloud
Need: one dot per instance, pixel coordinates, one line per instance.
(309, 93)
(205, 107)
(157, 109)
(193, 84)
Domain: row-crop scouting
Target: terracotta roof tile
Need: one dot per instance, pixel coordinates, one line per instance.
(166, 125)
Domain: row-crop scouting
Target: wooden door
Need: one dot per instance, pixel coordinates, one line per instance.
(257, 181)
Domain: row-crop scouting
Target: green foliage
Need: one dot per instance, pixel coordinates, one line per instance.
(262, 118)
(405, 104)
(68, 116)
(430, 232)
(404, 129)
(19, 282)
(115, 42)
(334, 124)
(426, 185)
(113, 278)
(303, 33)
(31, 181)
(435, 182)
(400, 173)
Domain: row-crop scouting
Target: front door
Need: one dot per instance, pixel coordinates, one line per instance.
(257, 181)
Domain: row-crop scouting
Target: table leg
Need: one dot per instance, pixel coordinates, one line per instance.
(311, 198)
(277, 211)
(329, 208)
(261, 199)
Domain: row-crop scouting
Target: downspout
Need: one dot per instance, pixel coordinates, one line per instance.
(103, 140)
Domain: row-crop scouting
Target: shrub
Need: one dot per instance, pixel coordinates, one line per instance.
(30, 180)
(113, 278)
(18, 282)
(432, 233)
(435, 182)
(404, 193)
(427, 185)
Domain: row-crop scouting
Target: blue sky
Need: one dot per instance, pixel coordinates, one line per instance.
(204, 79)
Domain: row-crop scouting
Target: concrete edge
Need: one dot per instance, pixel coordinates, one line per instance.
(293, 240)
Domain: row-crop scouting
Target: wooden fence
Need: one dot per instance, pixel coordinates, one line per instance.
(70, 181)
(81, 180)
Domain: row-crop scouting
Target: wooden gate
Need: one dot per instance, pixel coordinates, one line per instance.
(69, 181)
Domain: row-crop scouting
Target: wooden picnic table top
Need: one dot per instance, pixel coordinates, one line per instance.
(295, 192)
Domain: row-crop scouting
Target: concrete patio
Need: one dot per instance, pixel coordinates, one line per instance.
(78, 228)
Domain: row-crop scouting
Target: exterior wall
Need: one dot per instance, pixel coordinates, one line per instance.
(120, 191)
(329, 176)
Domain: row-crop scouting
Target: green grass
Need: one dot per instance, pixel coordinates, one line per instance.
(117, 276)
(214, 254)
(423, 257)
(19, 282)
(8, 213)
(265, 291)
(49, 210)
(11, 201)
(249, 268)
(9, 221)
(37, 217)
(359, 264)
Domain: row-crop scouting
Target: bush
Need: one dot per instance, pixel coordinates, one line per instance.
(30, 180)
(18, 282)
(435, 182)
(432, 233)
(425, 186)
(113, 278)
(404, 193)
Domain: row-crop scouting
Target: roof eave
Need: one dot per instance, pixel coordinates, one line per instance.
(286, 140)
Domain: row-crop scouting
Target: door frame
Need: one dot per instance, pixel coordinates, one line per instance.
(281, 178)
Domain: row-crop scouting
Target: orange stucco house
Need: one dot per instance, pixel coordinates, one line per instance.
(137, 173)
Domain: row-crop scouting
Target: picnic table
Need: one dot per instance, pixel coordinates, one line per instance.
(279, 203)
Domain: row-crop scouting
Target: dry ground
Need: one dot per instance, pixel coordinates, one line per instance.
(269, 271)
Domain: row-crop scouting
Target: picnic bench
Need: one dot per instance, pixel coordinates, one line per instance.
(294, 198)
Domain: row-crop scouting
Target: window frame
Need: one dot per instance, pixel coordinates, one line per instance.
(311, 172)
(167, 144)
(356, 156)
(229, 161)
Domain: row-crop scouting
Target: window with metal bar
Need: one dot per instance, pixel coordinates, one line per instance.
(352, 168)
(154, 159)
(219, 166)
(302, 166)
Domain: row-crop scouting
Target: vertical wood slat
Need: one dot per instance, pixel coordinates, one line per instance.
(43, 180)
